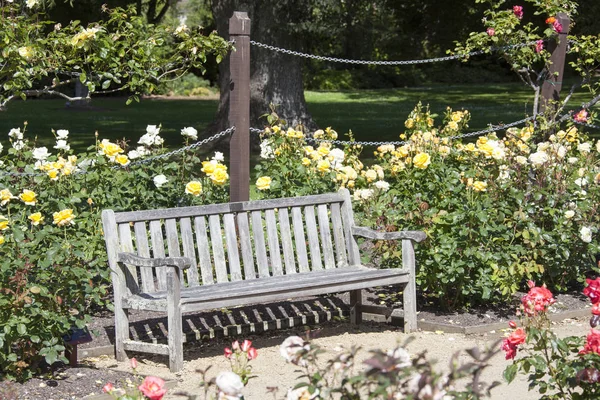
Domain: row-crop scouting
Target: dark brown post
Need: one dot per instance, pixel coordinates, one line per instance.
(239, 107)
(558, 49)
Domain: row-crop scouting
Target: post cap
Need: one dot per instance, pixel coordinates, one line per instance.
(239, 23)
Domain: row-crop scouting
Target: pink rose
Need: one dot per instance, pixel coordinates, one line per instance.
(252, 353)
(246, 344)
(581, 116)
(537, 300)
(133, 363)
(539, 46)
(228, 352)
(108, 388)
(592, 290)
(518, 11)
(593, 343)
(491, 31)
(517, 337)
(153, 388)
(509, 349)
(235, 345)
(512, 324)
(557, 26)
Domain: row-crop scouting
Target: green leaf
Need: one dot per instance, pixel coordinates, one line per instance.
(510, 372)
(82, 77)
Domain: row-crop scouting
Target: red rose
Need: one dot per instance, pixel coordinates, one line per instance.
(510, 349)
(518, 11)
(592, 290)
(537, 300)
(108, 388)
(252, 353)
(246, 344)
(517, 337)
(596, 309)
(228, 352)
(593, 343)
(153, 388)
(512, 324)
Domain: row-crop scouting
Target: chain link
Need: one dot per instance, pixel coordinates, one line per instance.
(587, 125)
(403, 62)
(400, 143)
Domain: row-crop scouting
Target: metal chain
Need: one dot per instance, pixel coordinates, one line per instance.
(182, 149)
(587, 125)
(140, 162)
(404, 62)
(400, 143)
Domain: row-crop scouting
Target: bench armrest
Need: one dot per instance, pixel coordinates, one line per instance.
(417, 236)
(134, 259)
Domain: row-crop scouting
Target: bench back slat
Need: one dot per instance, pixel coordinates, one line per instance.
(203, 250)
(240, 241)
(143, 249)
(259, 244)
(158, 251)
(216, 240)
(187, 240)
(233, 254)
(287, 245)
(273, 241)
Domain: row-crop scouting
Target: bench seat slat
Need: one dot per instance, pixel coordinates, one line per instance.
(322, 213)
(259, 244)
(357, 276)
(233, 255)
(313, 238)
(216, 240)
(300, 239)
(246, 245)
(273, 240)
(287, 245)
(203, 251)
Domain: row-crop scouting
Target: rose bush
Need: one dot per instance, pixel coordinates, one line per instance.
(559, 368)
(53, 269)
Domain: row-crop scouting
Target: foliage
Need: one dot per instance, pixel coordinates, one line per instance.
(151, 387)
(116, 54)
(53, 269)
(391, 374)
(559, 368)
(496, 212)
(188, 85)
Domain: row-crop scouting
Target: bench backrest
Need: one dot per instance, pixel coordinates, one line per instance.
(235, 241)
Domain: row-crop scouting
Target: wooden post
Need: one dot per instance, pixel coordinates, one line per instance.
(239, 107)
(558, 48)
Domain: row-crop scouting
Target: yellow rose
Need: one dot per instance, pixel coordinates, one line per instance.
(371, 175)
(64, 217)
(122, 159)
(220, 176)
(323, 151)
(470, 147)
(479, 186)
(28, 197)
(2, 239)
(305, 161)
(53, 174)
(110, 149)
(263, 183)
(410, 123)
(36, 218)
(194, 188)
(456, 116)
(453, 125)
(421, 160)
(323, 166)
(208, 167)
(3, 223)
(26, 52)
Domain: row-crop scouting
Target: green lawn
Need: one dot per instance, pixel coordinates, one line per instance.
(371, 114)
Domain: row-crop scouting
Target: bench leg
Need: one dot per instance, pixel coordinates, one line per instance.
(121, 332)
(174, 321)
(355, 306)
(410, 291)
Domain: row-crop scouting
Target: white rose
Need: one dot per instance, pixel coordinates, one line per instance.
(266, 151)
(572, 160)
(133, 154)
(569, 214)
(152, 130)
(62, 145)
(581, 182)
(585, 147)
(301, 393)
(538, 158)
(338, 157)
(230, 384)
(543, 146)
(62, 134)
(160, 180)
(561, 152)
(292, 348)
(146, 140)
(402, 356)
(366, 194)
(190, 132)
(521, 160)
(581, 172)
(382, 185)
(16, 133)
(218, 156)
(40, 153)
(18, 145)
(32, 3)
(598, 146)
(586, 234)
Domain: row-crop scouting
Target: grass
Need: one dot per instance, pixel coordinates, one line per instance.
(372, 115)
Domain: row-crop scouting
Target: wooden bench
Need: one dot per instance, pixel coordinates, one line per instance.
(226, 255)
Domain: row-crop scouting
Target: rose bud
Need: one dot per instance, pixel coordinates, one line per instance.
(235, 345)
(133, 363)
(246, 344)
(228, 352)
(252, 353)
(512, 324)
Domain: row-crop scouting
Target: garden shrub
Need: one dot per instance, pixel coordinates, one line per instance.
(53, 269)
(497, 211)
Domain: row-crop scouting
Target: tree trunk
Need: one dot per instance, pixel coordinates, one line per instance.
(274, 78)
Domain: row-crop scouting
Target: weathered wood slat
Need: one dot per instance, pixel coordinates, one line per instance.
(338, 236)
(206, 269)
(286, 241)
(158, 251)
(246, 245)
(216, 240)
(259, 244)
(130, 271)
(173, 243)
(324, 230)
(313, 238)
(233, 255)
(299, 239)
(273, 240)
(212, 209)
(143, 249)
(348, 219)
(144, 347)
(187, 240)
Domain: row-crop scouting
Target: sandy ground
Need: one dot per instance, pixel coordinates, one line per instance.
(272, 370)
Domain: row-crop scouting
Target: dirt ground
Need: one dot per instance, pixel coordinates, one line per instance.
(271, 369)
